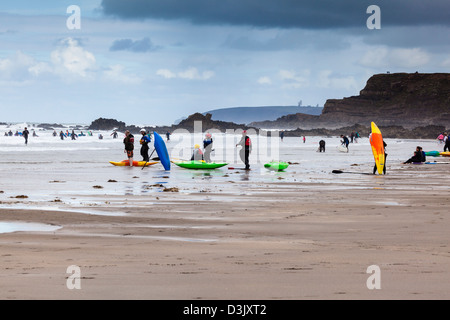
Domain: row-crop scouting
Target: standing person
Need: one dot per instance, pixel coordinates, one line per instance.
(145, 140)
(345, 141)
(446, 142)
(304, 139)
(168, 135)
(114, 134)
(352, 135)
(207, 147)
(128, 141)
(385, 155)
(246, 144)
(282, 135)
(73, 135)
(25, 134)
(61, 135)
(322, 146)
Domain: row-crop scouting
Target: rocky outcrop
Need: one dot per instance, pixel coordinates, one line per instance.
(187, 124)
(402, 99)
(107, 124)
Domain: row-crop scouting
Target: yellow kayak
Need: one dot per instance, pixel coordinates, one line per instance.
(124, 163)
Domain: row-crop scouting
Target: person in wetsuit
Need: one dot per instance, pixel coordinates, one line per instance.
(246, 144)
(207, 147)
(145, 140)
(128, 141)
(385, 155)
(322, 146)
(25, 134)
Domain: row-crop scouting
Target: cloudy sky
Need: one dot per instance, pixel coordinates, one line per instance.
(155, 61)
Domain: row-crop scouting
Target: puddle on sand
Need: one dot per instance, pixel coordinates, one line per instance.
(14, 226)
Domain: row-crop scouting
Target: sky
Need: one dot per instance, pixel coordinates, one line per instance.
(152, 62)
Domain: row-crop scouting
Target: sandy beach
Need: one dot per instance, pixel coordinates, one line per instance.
(229, 234)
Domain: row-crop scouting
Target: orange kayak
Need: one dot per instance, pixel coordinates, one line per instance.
(376, 142)
(124, 163)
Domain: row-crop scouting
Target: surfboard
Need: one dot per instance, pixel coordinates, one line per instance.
(376, 142)
(135, 163)
(276, 165)
(342, 148)
(161, 150)
(199, 164)
(445, 154)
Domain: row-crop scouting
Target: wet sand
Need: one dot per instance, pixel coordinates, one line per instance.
(264, 240)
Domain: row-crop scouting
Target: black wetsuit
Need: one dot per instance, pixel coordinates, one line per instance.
(207, 146)
(246, 144)
(321, 146)
(25, 135)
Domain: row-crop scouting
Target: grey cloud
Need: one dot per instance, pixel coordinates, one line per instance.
(312, 14)
(144, 45)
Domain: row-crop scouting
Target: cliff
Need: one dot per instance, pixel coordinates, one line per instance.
(402, 99)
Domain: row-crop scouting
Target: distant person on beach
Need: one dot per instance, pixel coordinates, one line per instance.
(207, 147)
(322, 146)
(54, 133)
(282, 135)
(385, 155)
(352, 136)
(73, 135)
(100, 136)
(61, 135)
(197, 155)
(128, 141)
(145, 140)
(446, 142)
(114, 134)
(345, 141)
(34, 134)
(246, 144)
(168, 135)
(419, 156)
(25, 134)
(304, 139)
(10, 133)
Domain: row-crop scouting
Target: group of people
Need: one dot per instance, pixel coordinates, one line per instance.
(419, 156)
(197, 155)
(128, 141)
(25, 134)
(443, 138)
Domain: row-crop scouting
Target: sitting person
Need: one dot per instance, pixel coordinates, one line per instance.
(197, 154)
(419, 156)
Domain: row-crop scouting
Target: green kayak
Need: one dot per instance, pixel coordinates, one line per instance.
(432, 153)
(199, 164)
(276, 165)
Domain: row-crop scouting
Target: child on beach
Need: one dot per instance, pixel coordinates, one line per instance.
(197, 155)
